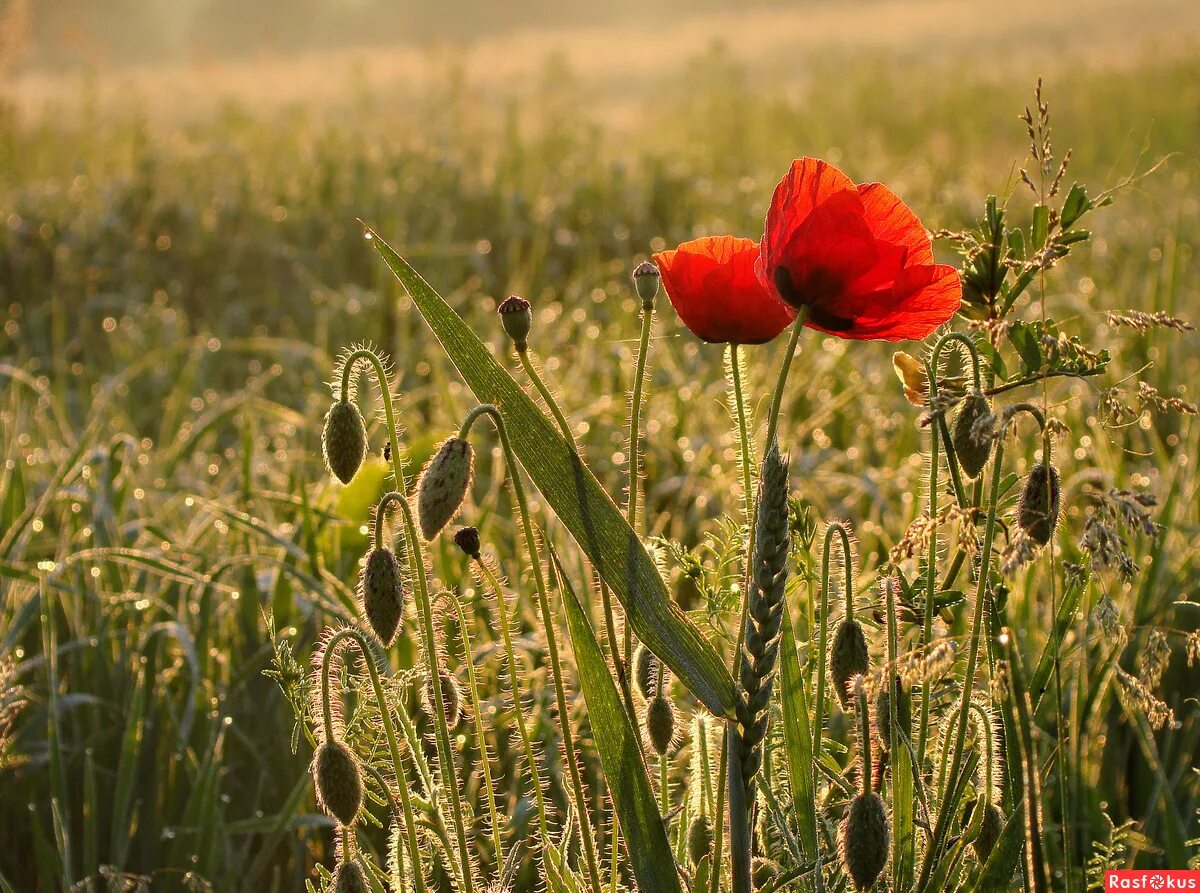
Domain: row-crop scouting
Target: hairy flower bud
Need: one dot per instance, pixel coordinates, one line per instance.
(646, 279)
(864, 839)
(848, 657)
(974, 431)
(700, 838)
(467, 539)
(344, 440)
(381, 589)
(444, 485)
(990, 828)
(1038, 510)
(349, 878)
(338, 781)
(763, 871)
(660, 724)
(516, 316)
(645, 672)
(452, 698)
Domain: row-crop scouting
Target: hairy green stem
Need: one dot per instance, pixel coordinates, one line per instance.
(551, 403)
(835, 528)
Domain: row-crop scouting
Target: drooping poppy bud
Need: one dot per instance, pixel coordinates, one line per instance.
(1038, 511)
(349, 878)
(974, 432)
(646, 279)
(444, 485)
(344, 440)
(381, 588)
(467, 539)
(452, 698)
(660, 724)
(645, 672)
(848, 657)
(516, 316)
(338, 781)
(989, 831)
(763, 871)
(700, 838)
(864, 839)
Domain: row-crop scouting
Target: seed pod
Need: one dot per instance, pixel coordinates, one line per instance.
(451, 698)
(338, 781)
(381, 589)
(700, 838)
(344, 440)
(974, 431)
(763, 871)
(848, 658)
(1038, 511)
(348, 877)
(467, 539)
(517, 318)
(883, 717)
(989, 831)
(660, 724)
(646, 279)
(645, 672)
(864, 839)
(444, 485)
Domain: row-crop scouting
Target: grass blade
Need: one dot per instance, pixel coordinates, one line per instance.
(797, 739)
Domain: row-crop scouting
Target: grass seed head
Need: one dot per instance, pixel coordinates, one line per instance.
(700, 838)
(467, 539)
(349, 878)
(864, 840)
(645, 672)
(1038, 510)
(646, 279)
(339, 781)
(444, 484)
(381, 588)
(660, 725)
(974, 431)
(344, 440)
(848, 657)
(516, 316)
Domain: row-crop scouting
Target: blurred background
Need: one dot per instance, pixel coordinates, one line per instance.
(180, 263)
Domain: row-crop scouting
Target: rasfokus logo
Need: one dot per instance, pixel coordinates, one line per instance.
(1152, 880)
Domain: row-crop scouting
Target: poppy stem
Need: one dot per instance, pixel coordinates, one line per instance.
(743, 423)
(781, 382)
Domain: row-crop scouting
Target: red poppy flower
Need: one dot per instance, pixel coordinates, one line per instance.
(713, 286)
(855, 256)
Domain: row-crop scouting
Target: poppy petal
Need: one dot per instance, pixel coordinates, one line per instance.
(894, 223)
(921, 299)
(809, 183)
(712, 285)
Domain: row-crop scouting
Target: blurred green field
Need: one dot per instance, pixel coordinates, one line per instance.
(177, 284)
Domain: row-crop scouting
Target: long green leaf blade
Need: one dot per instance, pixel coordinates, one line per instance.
(633, 799)
(797, 738)
(583, 506)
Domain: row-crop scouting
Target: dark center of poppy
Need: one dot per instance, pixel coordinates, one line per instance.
(787, 289)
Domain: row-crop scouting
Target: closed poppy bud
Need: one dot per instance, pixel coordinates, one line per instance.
(344, 440)
(989, 831)
(645, 672)
(660, 724)
(974, 431)
(763, 871)
(646, 279)
(848, 657)
(1038, 511)
(700, 838)
(467, 539)
(349, 878)
(883, 717)
(517, 318)
(451, 698)
(338, 781)
(381, 588)
(864, 839)
(444, 485)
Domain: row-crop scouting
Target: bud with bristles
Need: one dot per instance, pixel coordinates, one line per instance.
(864, 839)
(344, 440)
(1038, 511)
(349, 878)
(645, 672)
(517, 318)
(700, 838)
(451, 698)
(646, 279)
(467, 539)
(882, 711)
(974, 431)
(381, 588)
(989, 831)
(660, 724)
(763, 872)
(848, 657)
(444, 485)
(338, 781)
